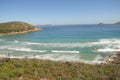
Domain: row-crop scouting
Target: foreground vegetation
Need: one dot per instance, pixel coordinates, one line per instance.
(34, 69)
(15, 26)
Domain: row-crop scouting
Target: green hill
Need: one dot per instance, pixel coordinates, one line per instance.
(17, 27)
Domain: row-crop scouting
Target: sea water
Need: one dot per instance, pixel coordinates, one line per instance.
(88, 43)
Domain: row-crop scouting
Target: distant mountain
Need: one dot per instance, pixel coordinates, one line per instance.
(117, 23)
(15, 27)
(45, 25)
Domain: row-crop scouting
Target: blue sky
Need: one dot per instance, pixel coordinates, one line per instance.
(60, 11)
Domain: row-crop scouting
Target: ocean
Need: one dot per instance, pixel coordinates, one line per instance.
(86, 43)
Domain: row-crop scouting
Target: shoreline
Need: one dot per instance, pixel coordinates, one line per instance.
(39, 69)
(113, 58)
(22, 32)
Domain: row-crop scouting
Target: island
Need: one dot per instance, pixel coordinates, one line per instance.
(17, 27)
(101, 23)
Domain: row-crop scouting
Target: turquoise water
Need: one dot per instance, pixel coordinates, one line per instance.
(90, 43)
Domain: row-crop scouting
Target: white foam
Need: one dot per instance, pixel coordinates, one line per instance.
(62, 58)
(26, 49)
(46, 57)
(16, 41)
(56, 51)
(106, 42)
(58, 57)
(1, 39)
(78, 44)
(117, 46)
(68, 58)
(59, 44)
(31, 43)
(110, 40)
(108, 50)
(3, 47)
(108, 45)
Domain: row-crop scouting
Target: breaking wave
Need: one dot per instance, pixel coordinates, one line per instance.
(78, 44)
(26, 49)
(22, 49)
(98, 59)
(108, 50)
(1, 39)
(16, 41)
(55, 51)
(102, 45)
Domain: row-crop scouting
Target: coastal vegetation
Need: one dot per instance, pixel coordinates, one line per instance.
(35, 69)
(16, 27)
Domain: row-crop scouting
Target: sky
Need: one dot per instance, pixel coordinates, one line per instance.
(57, 12)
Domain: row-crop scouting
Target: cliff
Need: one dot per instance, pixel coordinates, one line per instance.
(17, 27)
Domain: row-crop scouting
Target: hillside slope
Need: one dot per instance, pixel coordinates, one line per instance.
(17, 27)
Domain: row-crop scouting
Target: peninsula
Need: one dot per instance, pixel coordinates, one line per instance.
(117, 23)
(17, 27)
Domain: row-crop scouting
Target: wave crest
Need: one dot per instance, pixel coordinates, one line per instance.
(26, 50)
(56, 51)
(78, 44)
